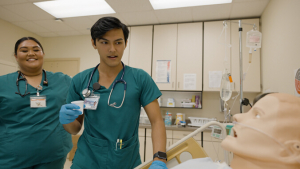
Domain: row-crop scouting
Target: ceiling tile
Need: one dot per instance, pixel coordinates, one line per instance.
(29, 11)
(211, 12)
(79, 23)
(233, 1)
(132, 7)
(32, 27)
(121, 2)
(95, 18)
(85, 32)
(53, 25)
(248, 9)
(9, 2)
(140, 18)
(47, 34)
(174, 15)
(37, 0)
(10, 16)
(68, 33)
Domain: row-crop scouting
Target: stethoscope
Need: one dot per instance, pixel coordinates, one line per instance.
(96, 86)
(22, 77)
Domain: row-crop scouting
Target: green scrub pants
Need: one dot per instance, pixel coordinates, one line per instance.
(57, 164)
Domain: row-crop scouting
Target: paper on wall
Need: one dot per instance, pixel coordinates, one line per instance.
(189, 81)
(214, 79)
(163, 71)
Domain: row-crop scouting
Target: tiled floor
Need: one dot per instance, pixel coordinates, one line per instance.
(68, 164)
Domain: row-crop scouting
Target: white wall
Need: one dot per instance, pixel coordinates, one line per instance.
(280, 52)
(9, 34)
(72, 47)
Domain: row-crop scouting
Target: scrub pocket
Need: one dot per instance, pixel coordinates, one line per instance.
(7, 157)
(128, 156)
(91, 153)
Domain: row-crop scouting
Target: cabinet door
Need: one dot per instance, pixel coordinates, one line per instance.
(149, 149)
(169, 142)
(142, 147)
(214, 50)
(189, 57)
(164, 48)
(141, 48)
(125, 57)
(252, 80)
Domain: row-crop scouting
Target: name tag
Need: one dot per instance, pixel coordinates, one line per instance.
(91, 102)
(37, 101)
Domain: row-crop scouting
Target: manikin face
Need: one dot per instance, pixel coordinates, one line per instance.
(111, 47)
(29, 56)
(272, 116)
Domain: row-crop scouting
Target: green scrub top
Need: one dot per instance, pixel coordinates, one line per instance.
(98, 147)
(30, 136)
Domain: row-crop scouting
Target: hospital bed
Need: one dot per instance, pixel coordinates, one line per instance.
(190, 145)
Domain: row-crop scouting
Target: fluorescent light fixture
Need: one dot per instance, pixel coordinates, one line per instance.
(165, 4)
(74, 8)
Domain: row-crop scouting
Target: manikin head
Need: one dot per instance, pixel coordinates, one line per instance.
(278, 116)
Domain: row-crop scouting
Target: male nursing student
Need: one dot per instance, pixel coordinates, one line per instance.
(110, 137)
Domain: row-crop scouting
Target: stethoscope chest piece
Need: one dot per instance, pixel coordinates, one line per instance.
(86, 92)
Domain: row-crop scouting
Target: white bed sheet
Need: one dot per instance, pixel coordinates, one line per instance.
(201, 163)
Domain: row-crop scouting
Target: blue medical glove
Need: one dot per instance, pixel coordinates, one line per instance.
(158, 165)
(67, 114)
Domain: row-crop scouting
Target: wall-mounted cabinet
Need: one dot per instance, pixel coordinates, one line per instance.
(141, 47)
(214, 54)
(165, 48)
(181, 44)
(252, 80)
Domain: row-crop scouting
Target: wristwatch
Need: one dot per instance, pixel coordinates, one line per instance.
(161, 155)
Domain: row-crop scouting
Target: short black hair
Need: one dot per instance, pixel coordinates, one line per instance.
(258, 97)
(106, 24)
(24, 39)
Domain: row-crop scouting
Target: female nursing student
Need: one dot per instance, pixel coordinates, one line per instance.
(31, 136)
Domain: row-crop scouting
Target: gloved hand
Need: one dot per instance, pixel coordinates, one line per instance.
(158, 165)
(67, 114)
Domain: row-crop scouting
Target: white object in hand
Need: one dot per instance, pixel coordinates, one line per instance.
(80, 104)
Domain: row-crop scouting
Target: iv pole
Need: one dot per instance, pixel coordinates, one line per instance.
(241, 67)
(241, 62)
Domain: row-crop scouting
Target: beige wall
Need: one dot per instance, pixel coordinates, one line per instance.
(280, 52)
(72, 47)
(9, 34)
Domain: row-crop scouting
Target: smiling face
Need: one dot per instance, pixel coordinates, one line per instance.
(29, 56)
(111, 47)
(276, 115)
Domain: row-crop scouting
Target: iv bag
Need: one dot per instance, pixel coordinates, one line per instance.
(226, 90)
(253, 39)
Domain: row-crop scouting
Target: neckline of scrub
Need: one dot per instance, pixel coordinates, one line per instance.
(41, 83)
(96, 79)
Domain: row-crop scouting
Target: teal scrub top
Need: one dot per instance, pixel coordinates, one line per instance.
(98, 147)
(30, 136)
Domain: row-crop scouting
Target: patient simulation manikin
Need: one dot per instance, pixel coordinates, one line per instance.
(266, 137)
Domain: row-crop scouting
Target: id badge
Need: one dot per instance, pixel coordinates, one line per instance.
(37, 101)
(91, 102)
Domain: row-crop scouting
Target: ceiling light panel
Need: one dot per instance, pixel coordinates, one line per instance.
(165, 4)
(75, 8)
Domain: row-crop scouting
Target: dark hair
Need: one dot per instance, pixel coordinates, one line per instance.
(24, 39)
(106, 24)
(258, 97)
